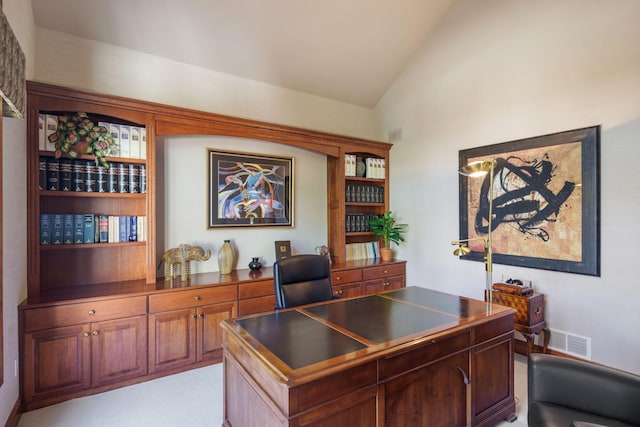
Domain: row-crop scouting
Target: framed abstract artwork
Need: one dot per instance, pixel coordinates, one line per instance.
(249, 190)
(546, 202)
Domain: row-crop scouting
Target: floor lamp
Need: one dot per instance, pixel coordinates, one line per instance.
(473, 170)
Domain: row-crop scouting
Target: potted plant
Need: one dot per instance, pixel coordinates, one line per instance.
(76, 128)
(390, 231)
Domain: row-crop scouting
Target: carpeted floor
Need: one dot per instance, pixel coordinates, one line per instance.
(192, 398)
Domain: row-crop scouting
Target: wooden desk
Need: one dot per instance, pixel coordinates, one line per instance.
(410, 357)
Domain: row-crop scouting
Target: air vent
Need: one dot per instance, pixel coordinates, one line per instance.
(575, 345)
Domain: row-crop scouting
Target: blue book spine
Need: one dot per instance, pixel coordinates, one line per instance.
(67, 229)
(88, 229)
(133, 229)
(45, 229)
(123, 226)
(78, 231)
(57, 224)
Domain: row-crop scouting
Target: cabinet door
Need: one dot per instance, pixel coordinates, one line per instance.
(209, 345)
(56, 361)
(172, 339)
(435, 395)
(492, 368)
(118, 350)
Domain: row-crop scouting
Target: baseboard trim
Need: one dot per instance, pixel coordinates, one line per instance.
(14, 416)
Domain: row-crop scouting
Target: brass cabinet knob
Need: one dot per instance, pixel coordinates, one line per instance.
(95, 333)
(385, 284)
(92, 312)
(198, 298)
(201, 315)
(85, 334)
(193, 316)
(338, 278)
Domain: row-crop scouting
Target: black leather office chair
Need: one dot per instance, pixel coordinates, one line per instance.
(567, 392)
(302, 279)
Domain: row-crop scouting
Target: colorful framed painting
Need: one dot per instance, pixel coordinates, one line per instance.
(546, 202)
(249, 190)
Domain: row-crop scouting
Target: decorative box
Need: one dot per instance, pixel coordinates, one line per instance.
(530, 308)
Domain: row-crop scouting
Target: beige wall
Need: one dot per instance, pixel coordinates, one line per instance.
(501, 70)
(20, 18)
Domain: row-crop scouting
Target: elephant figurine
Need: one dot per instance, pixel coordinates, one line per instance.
(180, 258)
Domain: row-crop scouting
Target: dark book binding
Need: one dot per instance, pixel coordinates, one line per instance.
(90, 178)
(53, 174)
(78, 175)
(65, 174)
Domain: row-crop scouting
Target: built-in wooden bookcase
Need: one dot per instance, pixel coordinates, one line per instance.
(55, 267)
(343, 206)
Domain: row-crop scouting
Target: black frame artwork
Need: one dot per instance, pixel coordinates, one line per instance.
(546, 202)
(249, 190)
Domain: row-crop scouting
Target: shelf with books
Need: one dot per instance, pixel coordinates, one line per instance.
(70, 183)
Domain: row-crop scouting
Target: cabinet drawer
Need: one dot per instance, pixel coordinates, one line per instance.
(74, 314)
(348, 290)
(346, 276)
(256, 289)
(192, 298)
(383, 284)
(257, 305)
(382, 271)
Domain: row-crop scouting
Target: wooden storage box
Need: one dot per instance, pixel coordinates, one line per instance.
(530, 307)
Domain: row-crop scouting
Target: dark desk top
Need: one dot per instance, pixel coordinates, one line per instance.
(315, 333)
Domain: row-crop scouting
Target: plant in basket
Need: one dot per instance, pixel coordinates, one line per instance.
(75, 128)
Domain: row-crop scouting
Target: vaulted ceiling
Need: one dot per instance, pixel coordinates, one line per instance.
(347, 50)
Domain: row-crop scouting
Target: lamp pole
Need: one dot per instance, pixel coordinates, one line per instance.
(488, 261)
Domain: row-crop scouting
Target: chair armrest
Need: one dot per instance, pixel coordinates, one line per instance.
(584, 386)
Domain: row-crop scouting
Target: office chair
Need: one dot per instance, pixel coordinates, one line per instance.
(302, 279)
(576, 393)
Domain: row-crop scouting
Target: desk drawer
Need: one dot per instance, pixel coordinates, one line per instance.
(346, 276)
(86, 312)
(192, 298)
(433, 350)
(383, 271)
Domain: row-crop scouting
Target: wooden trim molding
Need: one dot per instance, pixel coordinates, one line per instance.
(171, 120)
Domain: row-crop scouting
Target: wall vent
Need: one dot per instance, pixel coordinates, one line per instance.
(575, 345)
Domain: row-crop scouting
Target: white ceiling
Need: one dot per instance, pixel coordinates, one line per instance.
(347, 50)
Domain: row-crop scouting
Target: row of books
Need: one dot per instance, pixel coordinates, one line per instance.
(85, 176)
(130, 140)
(71, 229)
(363, 250)
(373, 167)
(364, 194)
(357, 223)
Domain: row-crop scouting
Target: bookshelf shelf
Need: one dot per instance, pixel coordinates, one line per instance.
(361, 179)
(109, 158)
(84, 194)
(89, 246)
(364, 204)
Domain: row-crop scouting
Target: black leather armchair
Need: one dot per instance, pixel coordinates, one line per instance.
(302, 279)
(567, 392)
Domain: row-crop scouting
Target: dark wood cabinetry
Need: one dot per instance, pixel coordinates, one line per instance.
(68, 351)
(183, 326)
(74, 347)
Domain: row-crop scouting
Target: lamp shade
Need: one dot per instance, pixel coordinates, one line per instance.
(475, 169)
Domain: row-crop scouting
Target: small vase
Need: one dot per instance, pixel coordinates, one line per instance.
(225, 258)
(255, 264)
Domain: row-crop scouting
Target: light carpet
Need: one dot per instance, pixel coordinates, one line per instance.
(189, 398)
